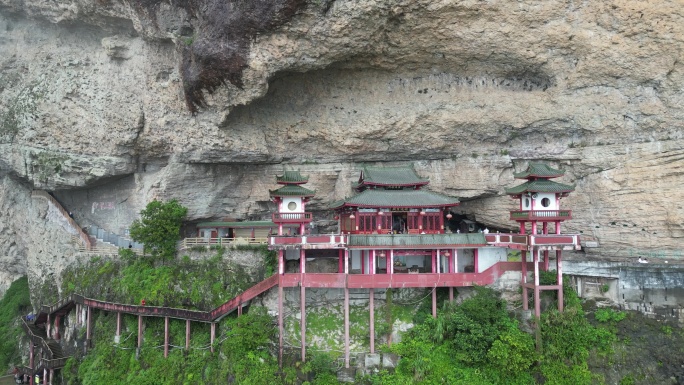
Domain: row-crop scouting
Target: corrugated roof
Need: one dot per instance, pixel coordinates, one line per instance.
(292, 177)
(540, 170)
(540, 185)
(377, 198)
(428, 240)
(292, 190)
(391, 176)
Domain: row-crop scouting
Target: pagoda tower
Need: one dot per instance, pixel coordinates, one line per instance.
(539, 199)
(291, 200)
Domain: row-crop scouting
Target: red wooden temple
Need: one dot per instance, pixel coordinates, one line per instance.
(392, 234)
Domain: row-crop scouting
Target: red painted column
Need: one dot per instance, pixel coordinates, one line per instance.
(388, 262)
(545, 228)
(302, 261)
(166, 337)
(187, 334)
(280, 323)
(302, 323)
(140, 330)
(346, 326)
(537, 299)
(212, 335)
(558, 227)
(522, 227)
(55, 333)
(546, 260)
(281, 262)
(363, 261)
(372, 262)
(525, 302)
(559, 279)
(434, 263)
(371, 307)
(340, 263)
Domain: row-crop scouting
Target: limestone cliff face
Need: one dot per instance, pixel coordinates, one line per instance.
(94, 104)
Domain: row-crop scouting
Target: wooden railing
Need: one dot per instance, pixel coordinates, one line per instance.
(189, 243)
(81, 234)
(532, 215)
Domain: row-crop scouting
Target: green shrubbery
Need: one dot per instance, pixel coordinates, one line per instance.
(15, 302)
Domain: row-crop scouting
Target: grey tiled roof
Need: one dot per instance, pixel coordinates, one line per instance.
(414, 240)
(407, 198)
(291, 177)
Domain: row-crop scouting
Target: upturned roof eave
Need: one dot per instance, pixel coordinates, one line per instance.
(360, 205)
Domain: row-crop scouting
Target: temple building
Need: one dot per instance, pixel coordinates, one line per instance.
(392, 234)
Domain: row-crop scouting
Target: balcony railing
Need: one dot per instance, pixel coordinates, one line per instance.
(292, 217)
(536, 215)
(189, 243)
(317, 241)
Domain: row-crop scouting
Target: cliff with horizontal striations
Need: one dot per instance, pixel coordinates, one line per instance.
(112, 103)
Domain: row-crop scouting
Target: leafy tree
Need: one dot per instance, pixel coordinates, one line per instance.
(159, 228)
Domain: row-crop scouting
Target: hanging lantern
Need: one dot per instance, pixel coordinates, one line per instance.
(336, 217)
(422, 212)
(446, 254)
(381, 254)
(379, 212)
(449, 216)
(352, 216)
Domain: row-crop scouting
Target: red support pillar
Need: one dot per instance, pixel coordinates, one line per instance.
(525, 301)
(239, 309)
(371, 307)
(166, 337)
(558, 227)
(302, 323)
(340, 262)
(56, 336)
(559, 280)
(434, 261)
(48, 325)
(281, 262)
(346, 326)
(140, 330)
(280, 323)
(212, 335)
(451, 294)
(546, 260)
(187, 334)
(363, 261)
(302, 261)
(537, 299)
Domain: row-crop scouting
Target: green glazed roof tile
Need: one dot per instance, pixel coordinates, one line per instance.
(399, 240)
(540, 185)
(292, 190)
(407, 198)
(238, 224)
(292, 177)
(391, 176)
(540, 170)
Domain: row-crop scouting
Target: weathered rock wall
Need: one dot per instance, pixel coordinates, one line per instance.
(93, 104)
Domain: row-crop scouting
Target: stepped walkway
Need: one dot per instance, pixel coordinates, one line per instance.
(43, 330)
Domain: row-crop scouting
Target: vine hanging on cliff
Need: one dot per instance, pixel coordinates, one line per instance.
(223, 29)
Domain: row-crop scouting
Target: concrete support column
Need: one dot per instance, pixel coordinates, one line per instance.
(88, 325)
(523, 257)
(559, 278)
(166, 337)
(140, 330)
(187, 334)
(346, 261)
(390, 262)
(476, 260)
(52, 376)
(45, 376)
(451, 294)
(434, 302)
(78, 314)
(48, 326)
(281, 262)
(212, 335)
(371, 307)
(118, 324)
(537, 299)
(346, 327)
(31, 359)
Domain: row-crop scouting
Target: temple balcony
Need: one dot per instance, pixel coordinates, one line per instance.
(292, 217)
(541, 215)
(318, 241)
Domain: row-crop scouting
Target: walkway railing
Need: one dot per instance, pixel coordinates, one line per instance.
(291, 217)
(531, 215)
(189, 243)
(81, 234)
